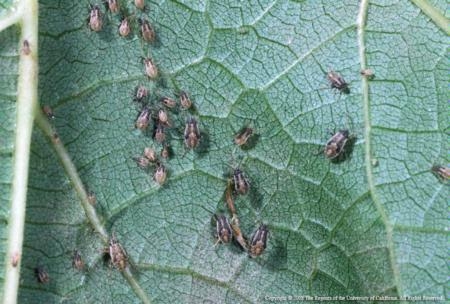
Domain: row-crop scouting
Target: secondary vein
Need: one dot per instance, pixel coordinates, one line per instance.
(435, 15)
(361, 22)
(72, 172)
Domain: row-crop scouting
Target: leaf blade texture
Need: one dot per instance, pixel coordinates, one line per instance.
(364, 226)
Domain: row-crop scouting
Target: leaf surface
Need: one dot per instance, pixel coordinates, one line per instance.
(373, 224)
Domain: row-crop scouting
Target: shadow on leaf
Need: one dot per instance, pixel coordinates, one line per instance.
(204, 144)
(251, 142)
(277, 256)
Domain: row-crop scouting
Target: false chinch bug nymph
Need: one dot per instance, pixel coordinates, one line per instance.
(119, 257)
(168, 102)
(160, 174)
(143, 119)
(150, 68)
(140, 93)
(442, 172)
(41, 274)
(259, 241)
(336, 144)
(124, 27)
(95, 19)
(368, 73)
(26, 50)
(150, 154)
(337, 82)
(191, 133)
(242, 137)
(160, 134)
(224, 233)
(165, 151)
(241, 183)
(185, 101)
(142, 161)
(147, 31)
(112, 5)
(48, 111)
(77, 261)
(140, 4)
(163, 117)
(15, 259)
(92, 198)
(55, 138)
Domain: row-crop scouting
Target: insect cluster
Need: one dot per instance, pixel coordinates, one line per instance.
(227, 230)
(126, 21)
(117, 254)
(153, 113)
(98, 17)
(154, 117)
(239, 185)
(41, 274)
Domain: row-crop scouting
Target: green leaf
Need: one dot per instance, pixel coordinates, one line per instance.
(373, 224)
(8, 83)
